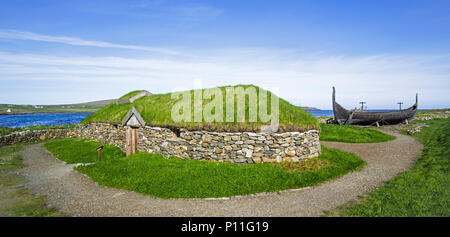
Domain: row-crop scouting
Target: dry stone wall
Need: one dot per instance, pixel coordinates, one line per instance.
(245, 147)
(36, 135)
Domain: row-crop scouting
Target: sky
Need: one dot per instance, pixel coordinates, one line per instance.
(380, 52)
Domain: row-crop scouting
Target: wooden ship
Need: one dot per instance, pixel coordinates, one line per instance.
(358, 117)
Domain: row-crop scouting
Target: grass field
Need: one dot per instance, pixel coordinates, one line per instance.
(15, 199)
(422, 191)
(9, 157)
(155, 175)
(352, 134)
(76, 150)
(433, 113)
(156, 111)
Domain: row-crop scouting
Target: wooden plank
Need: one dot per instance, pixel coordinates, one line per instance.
(136, 139)
(128, 142)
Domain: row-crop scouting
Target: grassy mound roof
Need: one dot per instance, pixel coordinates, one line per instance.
(156, 111)
(130, 94)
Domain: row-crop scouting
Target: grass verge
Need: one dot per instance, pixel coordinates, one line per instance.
(15, 199)
(422, 191)
(9, 157)
(155, 175)
(352, 134)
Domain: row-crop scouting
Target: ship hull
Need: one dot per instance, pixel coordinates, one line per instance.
(352, 117)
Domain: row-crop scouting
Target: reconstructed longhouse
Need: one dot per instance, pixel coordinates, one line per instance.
(147, 124)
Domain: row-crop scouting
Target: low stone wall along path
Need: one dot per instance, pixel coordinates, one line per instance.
(77, 195)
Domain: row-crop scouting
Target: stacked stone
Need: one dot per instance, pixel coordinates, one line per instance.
(105, 133)
(243, 147)
(36, 135)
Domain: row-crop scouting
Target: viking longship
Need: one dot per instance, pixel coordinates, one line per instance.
(358, 117)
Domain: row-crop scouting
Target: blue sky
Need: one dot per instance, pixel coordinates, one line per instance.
(381, 52)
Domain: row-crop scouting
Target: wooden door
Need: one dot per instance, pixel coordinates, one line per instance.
(132, 141)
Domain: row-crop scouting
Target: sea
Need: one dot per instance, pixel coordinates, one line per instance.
(319, 113)
(25, 120)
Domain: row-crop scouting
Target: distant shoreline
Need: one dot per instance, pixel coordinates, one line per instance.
(25, 113)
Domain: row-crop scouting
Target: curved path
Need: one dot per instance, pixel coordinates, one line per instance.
(77, 195)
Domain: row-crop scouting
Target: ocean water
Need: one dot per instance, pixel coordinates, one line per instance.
(25, 120)
(318, 113)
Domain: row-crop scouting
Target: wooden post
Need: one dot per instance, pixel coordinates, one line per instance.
(99, 153)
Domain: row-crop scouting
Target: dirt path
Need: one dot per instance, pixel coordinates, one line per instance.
(77, 195)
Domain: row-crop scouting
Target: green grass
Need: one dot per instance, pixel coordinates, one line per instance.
(18, 201)
(9, 157)
(432, 112)
(15, 199)
(76, 150)
(44, 127)
(156, 111)
(352, 134)
(5, 130)
(154, 175)
(422, 191)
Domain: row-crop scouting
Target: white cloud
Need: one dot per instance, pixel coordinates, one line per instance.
(303, 79)
(381, 80)
(23, 35)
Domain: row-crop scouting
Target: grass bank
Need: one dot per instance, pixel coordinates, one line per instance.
(352, 134)
(15, 199)
(422, 191)
(155, 175)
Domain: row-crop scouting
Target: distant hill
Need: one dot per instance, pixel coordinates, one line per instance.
(88, 107)
(308, 108)
(156, 111)
(95, 103)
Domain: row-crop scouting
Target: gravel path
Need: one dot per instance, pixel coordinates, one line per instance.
(77, 195)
